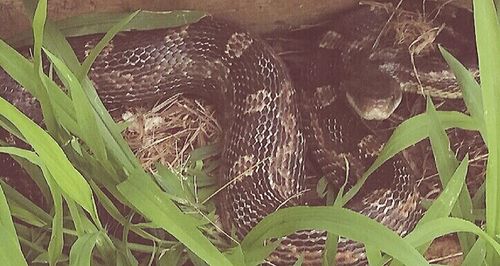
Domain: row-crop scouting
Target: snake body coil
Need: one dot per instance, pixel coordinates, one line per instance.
(263, 141)
(265, 132)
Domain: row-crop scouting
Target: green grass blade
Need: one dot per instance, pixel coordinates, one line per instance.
(147, 197)
(33, 158)
(110, 132)
(299, 261)
(107, 203)
(255, 256)
(76, 218)
(66, 176)
(332, 219)
(409, 132)
(479, 197)
(37, 176)
(101, 22)
(84, 226)
(21, 70)
(112, 210)
(145, 20)
(56, 242)
(446, 164)
(442, 206)
(487, 31)
(373, 255)
(115, 143)
(23, 209)
(470, 89)
(42, 94)
(28, 155)
(38, 25)
(205, 152)
(235, 255)
(81, 251)
(11, 250)
(102, 43)
(18, 67)
(476, 255)
(443, 226)
(172, 184)
(171, 257)
(85, 117)
(331, 246)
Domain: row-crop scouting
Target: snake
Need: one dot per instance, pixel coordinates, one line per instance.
(274, 114)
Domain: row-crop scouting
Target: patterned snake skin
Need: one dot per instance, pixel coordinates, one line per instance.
(265, 134)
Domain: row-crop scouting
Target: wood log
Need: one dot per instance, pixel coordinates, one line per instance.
(257, 15)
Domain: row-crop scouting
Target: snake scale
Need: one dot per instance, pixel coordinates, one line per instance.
(273, 116)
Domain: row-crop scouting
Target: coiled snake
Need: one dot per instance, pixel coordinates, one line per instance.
(265, 133)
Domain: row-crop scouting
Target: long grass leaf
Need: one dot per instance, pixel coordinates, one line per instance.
(85, 117)
(11, 250)
(38, 25)
(442, 206)
(101, 22)
(487, 31)
(76, 218)
(87, 63)
(28, 155)
(83, 225)
(23, 209)
(331, 246)
(37, 176)
(446, 164)
(21, 70)
(110, 132)
(41, 93)
(81, 251)
(66, 176)
(56, 242)
(145, 20)
(443, 226)
(476, 254)
(337, 220)
(373, 255)
(471, 90)
(56, 239)
(107, 203)
(479, 196)
(147, 197)
(408, 133)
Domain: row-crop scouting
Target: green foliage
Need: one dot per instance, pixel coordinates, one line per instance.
(488, 48)
(10, 251)
(332, 219)
(83, 157)
(101, 154)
